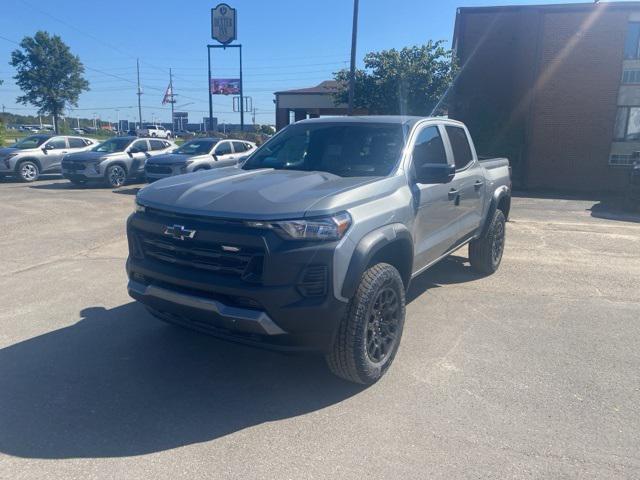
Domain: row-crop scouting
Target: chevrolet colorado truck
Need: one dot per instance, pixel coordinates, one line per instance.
(312, 241)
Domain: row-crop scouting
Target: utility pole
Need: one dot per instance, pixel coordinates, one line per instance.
(352, 70)
(254, 116)
(139, 95)
(172, 100)
(117, 120)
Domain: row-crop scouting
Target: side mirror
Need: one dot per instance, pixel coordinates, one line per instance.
(435, 173)
(215, 157)
(130, 153)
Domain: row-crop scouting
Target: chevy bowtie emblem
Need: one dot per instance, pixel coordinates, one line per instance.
(179, 232)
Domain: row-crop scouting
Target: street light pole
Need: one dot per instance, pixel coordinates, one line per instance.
(352, 70)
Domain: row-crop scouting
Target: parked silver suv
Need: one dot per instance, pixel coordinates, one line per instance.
(115, 161)
(196, 155)
(37, 154)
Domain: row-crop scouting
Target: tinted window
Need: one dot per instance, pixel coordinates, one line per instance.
(157, 144)
(57, 144)
(429, 147)
(344, 149)
(76, 143)
(239, 147)
(632, 41)
(196, 147)
(139, 146)
(223, 149)
(460, 146)
(113, 145)
(33, 141)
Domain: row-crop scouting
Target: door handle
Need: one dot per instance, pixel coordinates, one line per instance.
(453, 193)
(478, 185)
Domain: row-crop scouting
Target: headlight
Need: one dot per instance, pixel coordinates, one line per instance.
(322, 228)
(139, 208)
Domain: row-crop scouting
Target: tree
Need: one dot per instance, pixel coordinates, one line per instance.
(411, 81)
(49, 75)
(267, 129)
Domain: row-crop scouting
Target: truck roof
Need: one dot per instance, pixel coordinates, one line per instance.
(408, 120)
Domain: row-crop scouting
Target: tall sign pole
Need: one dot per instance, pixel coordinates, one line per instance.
(352, 70)
(224, 30)
(241, 95)
(139, 94)
(210, 126)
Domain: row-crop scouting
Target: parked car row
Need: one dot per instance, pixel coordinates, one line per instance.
(117, 160)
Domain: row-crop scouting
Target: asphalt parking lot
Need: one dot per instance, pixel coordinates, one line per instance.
(531, 373)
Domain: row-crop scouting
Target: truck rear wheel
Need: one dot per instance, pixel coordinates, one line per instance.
(369, 335)
(485, 253)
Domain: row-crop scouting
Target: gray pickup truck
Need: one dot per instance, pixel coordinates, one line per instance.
(312, 242)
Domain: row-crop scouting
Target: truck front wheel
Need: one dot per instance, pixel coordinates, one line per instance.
(485, 253)
(369, 335)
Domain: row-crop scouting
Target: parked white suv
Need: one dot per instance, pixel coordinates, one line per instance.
(154, 131)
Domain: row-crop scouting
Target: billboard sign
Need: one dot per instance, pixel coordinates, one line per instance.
(224, 86)
(223, 24)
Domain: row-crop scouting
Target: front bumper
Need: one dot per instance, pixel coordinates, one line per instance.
(158, 171)
(272, 306)
(82, 171)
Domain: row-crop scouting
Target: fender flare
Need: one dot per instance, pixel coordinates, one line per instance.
(368, 247)
(500, 193)
(27, 159)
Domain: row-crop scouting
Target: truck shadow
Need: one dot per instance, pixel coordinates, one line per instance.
(449, 271)
(121, 383)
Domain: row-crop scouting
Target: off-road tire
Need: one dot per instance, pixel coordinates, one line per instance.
(28, 171)
(349, 357)
(485, 253)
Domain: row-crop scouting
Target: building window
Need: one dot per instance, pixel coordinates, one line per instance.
(620, 160)
(631, 76)
(627, 127)
(632, 44)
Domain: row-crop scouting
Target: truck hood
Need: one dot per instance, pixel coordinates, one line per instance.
(174, 158)
(231, 192)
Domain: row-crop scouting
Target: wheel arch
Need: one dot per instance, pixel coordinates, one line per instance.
(28, 159)
(392, 244)
(501, 200)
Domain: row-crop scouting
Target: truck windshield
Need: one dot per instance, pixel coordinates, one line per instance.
(33, 141)
(346, 150)
(113, 145)
(196, 147)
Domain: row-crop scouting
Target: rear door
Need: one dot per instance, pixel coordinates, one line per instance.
(468, 183)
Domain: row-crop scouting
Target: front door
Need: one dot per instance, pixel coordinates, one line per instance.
(54, 149)
(436, 226)
(224, 154)
(139, 154)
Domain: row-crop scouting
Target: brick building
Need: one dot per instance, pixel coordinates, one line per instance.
(554, 87)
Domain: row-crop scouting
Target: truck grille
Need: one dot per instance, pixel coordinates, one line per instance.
(245, 263)
(160, 169)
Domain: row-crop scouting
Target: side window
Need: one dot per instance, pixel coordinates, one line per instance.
(429, 147)
(87, 141)
(139, 146)
(56, 144)
(248, 145)
(157, 144)
(460, 146)
(75, 142)
(223, 148)
(239, 147)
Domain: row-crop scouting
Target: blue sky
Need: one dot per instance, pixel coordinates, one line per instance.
(286, 44)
